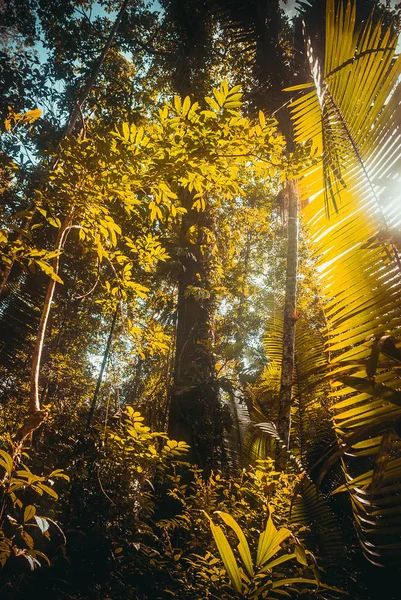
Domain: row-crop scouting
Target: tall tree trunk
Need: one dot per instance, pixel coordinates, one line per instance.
(290, 318)
(34, 401)
(75, 113)
(195, 411)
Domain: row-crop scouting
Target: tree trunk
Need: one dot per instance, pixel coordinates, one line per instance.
(290, 318)
(195, 411)
(34, 402)
(195, 414)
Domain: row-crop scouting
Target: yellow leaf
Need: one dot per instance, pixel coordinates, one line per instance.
(6, 461)
(232, 104)
(48, 490)
(27, 539)
(32, 115)
(209, 113)
(234, 90)
(224, 88)
(177, 103)
(139, 135)
(48, 269)
(186, 106)
(243, 546)
(227, 555)
(212, 103)
(270, 541)
(220, 97)
(192, 111)
(99, 251)
(54, 222)
(126, 131)
(29, 512)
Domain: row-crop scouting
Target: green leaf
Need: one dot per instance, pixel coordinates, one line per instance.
(243, 547)
(48, 490)
(6, 461)
(227, 555)
(270, 541)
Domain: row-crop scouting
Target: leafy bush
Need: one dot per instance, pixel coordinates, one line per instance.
(22, 495)
(177, 557)
(260, 579)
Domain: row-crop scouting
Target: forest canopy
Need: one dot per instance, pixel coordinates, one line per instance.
(200, 292)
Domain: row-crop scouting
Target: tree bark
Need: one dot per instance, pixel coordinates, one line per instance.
(34, 401)
(195, 411)
(290, 318)
(195, 414)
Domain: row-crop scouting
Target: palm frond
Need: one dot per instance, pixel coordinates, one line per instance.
(234, 437)
(311, 422)
(310, 507)
(313, 510)
(19, 318)
(352, 119)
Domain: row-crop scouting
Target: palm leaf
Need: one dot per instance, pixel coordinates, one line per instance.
(352, 121)
(311, 421)
(310, 507)
(19, 318)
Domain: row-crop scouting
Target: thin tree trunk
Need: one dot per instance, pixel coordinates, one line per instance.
(74, 115)
(34, 401)
(76, 111)
(290, 318)
(239, 336)
(102, 368)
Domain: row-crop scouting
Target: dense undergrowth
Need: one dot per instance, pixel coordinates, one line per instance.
(128, 517)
